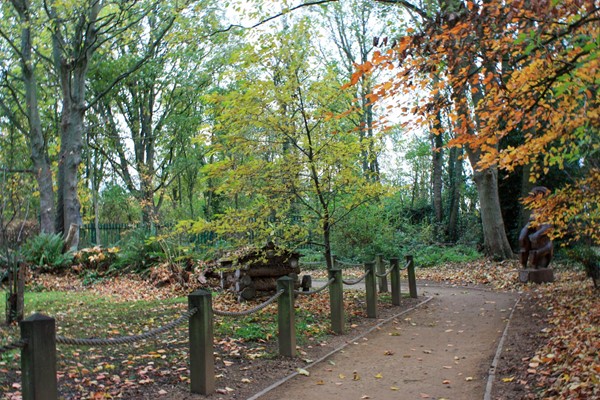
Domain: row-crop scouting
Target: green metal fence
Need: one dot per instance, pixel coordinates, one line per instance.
(110, 234)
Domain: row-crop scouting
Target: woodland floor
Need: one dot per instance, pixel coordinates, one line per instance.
(551, 350)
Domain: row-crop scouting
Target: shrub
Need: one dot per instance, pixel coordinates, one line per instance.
(428, 256)
(142, 250)
(45, 252)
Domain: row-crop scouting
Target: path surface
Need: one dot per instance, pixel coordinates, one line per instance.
(441, 350)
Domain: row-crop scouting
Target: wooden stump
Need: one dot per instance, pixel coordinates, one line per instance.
(542, 275)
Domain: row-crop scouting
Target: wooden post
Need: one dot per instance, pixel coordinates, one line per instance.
(286, 318)
(380, 268)
(202, 363)
(38, 358)
(395, 278)
(336, 300)
(412, 280)
(371, 289)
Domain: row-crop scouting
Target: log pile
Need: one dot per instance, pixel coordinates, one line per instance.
(257, 270)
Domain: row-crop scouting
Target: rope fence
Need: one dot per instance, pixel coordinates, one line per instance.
(251, 310)
(310, 292)
(356, 281)
(39, 340)
(127, 339)
(386, 273)
(12, 346)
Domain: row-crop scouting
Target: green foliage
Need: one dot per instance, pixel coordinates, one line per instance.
(45, 252)
(118, 206)
(429, 256)
(138, 252)
(365, 235)
(142, 250)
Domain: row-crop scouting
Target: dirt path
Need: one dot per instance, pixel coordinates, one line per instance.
(441, 350)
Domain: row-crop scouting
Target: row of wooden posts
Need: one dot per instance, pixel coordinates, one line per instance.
(38, 356)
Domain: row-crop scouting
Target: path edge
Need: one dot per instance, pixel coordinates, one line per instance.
(343, 346)
(492, 371)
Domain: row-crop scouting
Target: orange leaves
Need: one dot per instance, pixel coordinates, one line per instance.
(573, 209)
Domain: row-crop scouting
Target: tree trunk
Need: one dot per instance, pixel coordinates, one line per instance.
(436, 177)
(495, 240)
(68, 207)
(37, 144)
(455, 171)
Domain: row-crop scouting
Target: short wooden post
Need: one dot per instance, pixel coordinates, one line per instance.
(336, 300)
(412, 280)
(38, 358)
(395, 278)
(371, 289)
(202, 363)
(380, 268)
(286, 318)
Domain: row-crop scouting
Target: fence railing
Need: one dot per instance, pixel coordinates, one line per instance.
(38, 332)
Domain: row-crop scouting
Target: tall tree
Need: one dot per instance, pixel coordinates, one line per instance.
(285, 152)
(70, 35)
(355, 28)
(514, 68)
(23, 51)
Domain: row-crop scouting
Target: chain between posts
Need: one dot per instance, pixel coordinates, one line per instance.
(12, 346)
(250, 311)
(354, 282)
(329, 282)
(127, 339)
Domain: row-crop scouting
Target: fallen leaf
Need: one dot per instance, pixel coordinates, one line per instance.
(246, 380)
(355, 376)
(342, 376)
(469, 378)
(388, 353)
(394, 388)
(320, 382)
(446, 382)
(512, 378)
(378, 376)
(304, 372)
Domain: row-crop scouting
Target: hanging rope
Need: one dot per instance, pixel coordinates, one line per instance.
(250, 311)
(329, 282)
(387, 272)
(12, 346)
(350, 283)
(127, 339)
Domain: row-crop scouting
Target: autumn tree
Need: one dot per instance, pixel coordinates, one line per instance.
(284, 153)
(513, 67)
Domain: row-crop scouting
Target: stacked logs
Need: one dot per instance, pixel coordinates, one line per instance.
(258, 271)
